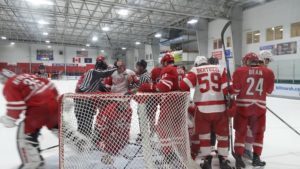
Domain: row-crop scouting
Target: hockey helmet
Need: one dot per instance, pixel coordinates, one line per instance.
(200, 60)
(265, 56)
(167, 58)
(250, 59)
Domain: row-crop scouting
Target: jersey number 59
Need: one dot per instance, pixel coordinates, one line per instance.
(213, 82)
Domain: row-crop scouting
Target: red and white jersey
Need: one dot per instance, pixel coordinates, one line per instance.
(155, 74)
(210, 82)
(120, 81)
(26, 90)
(252, 84)
(168, 80)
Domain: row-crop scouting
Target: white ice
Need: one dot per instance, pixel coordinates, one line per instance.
(281, 147)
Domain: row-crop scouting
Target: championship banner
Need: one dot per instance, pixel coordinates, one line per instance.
(44, 55)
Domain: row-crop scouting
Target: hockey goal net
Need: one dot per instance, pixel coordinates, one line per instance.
(146, 130)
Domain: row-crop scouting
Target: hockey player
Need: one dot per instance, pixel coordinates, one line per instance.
(265, 57)
(122, 80)
(251, 83)
(42, 72)
(169, 81)
(113, 122)
(210, 82)
(37, 98)
(91, 81)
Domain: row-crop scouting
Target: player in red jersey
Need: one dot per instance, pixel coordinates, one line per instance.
(251, 83)
(37, 98)
(265, 57)
(210, 82)
(169, 81)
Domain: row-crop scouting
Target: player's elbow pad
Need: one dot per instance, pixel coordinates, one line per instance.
(184, 86)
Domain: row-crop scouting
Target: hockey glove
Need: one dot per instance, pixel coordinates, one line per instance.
(8, 122)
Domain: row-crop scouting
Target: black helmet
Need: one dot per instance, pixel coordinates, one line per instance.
(42, 67)
(213, 61)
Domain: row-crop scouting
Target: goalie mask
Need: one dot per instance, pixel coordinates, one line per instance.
(5, 74)
(101, 63)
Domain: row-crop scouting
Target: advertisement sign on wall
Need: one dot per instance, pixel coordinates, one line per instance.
(288, 90)
(44, 55)
(217, 54)
(88, 60)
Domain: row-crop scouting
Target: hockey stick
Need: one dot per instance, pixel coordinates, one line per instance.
(45, 149)
(228, 85)
(283, 121)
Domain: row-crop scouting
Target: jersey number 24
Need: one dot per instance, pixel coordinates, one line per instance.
(255, 86)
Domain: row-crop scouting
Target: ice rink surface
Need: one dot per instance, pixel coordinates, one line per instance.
(281, 147)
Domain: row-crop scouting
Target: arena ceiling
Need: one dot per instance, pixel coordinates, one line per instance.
(104, 23)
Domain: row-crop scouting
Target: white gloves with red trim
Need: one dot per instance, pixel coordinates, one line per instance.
(8, 122)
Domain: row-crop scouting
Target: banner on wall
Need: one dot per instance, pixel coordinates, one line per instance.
(281, 48)
(76, 59)
(286, 48)
(88, 60)
(81, 53)
(44, 55)
(217, 54)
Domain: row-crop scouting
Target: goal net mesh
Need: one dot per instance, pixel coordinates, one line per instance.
(146, 130)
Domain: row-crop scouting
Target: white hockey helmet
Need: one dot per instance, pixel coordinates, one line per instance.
(265, 56)
(5, 74)
(200, 60)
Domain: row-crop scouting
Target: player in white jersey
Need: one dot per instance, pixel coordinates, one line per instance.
(210, 82)
(122, 80)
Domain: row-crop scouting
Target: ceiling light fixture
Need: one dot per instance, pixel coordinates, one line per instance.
(12, 43)
(192, 21)
(47, 41)
(49, 47)
(137, 43)
(106, 28)
(157, 35)
(95, 38)
(42, 22)
(123, 12)
(83, 49)
(123, 48)
(45, 33)
(3, 37)
(87, 45)
(40, 2)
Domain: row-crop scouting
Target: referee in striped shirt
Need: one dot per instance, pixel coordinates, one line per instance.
(142, 73)
(144, 77)
(91, 81)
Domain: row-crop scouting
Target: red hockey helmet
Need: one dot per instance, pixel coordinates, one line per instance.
(167, 58)
(250, 59)
(100, 58)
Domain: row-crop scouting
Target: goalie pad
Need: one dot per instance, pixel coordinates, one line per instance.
(29, 148)
(113, 125)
